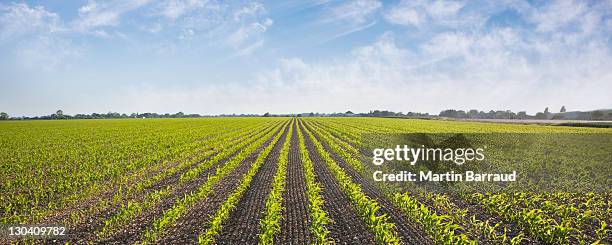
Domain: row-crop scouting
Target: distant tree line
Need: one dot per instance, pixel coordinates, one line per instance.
(545, 115)
(475, 114)
(59, 114)
(451, 113)
(374, 113)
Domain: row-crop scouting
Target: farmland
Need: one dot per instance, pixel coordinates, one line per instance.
(265, 180)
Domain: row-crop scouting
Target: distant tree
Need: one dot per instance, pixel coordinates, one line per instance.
(597, 115)
(59, 113)
(311, 114)
(4, 116)
(448, 113)
(540, 115)
(349, 113)
(558, 117)
(522, 115)
(562, 109)
(267, 114)
(472, 113)
(546, 110)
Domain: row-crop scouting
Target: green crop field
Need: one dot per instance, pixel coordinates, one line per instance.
(274, 180)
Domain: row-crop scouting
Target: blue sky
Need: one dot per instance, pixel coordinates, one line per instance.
(213, 57)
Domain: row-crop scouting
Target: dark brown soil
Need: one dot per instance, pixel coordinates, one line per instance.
(347, 227)
(195, 220)
(242, 226)
(84, 226)
(134, 230)
(295, 222)
(473, 209)
(408, 232)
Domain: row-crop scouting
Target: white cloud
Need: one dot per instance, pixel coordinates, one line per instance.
(252, 9)
(249, 37)
(47, 53)
(108, 13)
(18, 19)
(245, 32)
(452, 70)
(250, 48)
(572, 21)
(404, 15)
(357, 12)
(420, 12)
(36, 38)
(564, 59)
(176, 8)
(558, 14)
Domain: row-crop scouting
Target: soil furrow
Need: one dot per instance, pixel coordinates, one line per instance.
(85, 231)
(242, 225)
(63, 216)
(137, 226)
(473, 209)
(347, 227)
(295, 222)
(409, 232)
(187, 228)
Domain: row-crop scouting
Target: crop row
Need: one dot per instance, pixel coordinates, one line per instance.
(216, 223)
(318, 216)
(537, 212)
(440, 227)
(129, 185)
(92, 160)
(133, 208)
(171, 215)
(443, 223)
(71, 163)
(270, 224)
(366, 207)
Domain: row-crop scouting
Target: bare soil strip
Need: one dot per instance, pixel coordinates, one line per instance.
(295, 222)
(132, 232)
(347, 227)
(242, 225)
(194, 221)
(409, 232)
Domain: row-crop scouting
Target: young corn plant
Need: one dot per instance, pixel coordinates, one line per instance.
(182, 205)
(134, 208)
(366, 207)
(440, 227)
(215, 226)
(270, 224)
(319, 219)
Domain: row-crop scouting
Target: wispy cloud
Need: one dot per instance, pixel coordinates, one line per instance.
(437, 54)
(249, 31)
(252, 9)
(356, 12)
(174, 9)
(47, 53)
(346, 30)
(420, 12)
(498, 66)
(559, 14)
(18, 19)
(107, 13)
